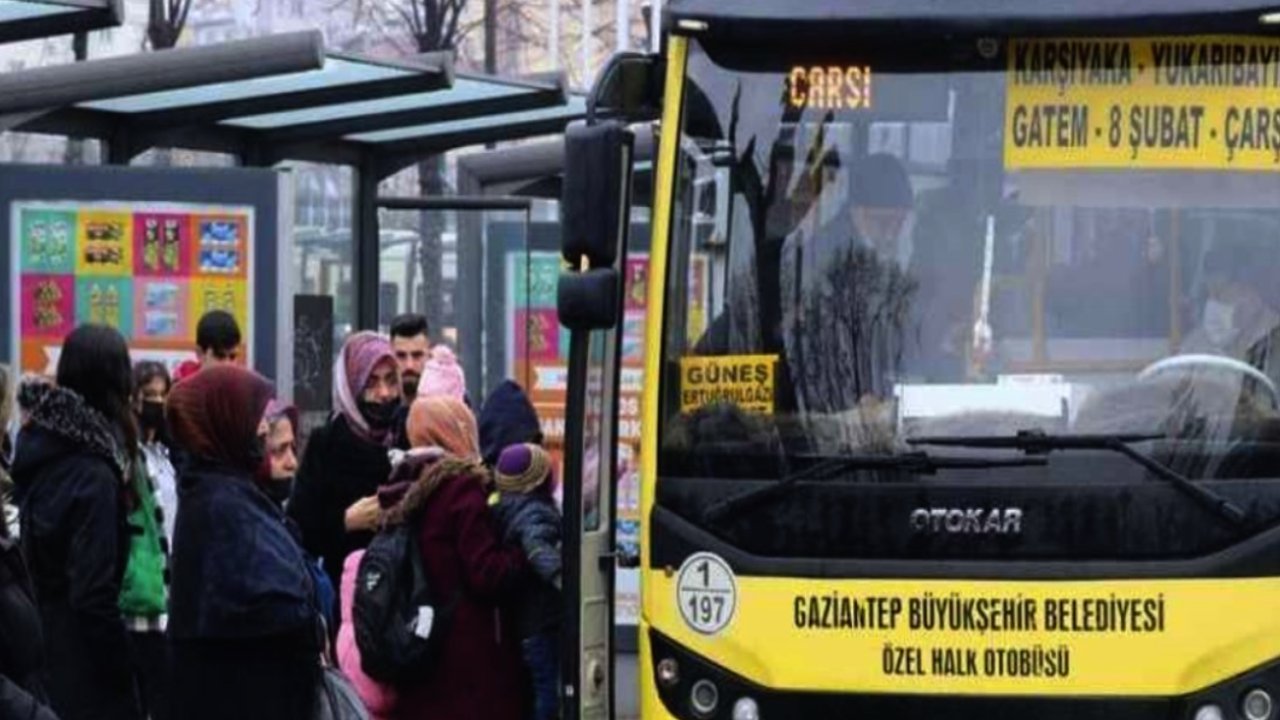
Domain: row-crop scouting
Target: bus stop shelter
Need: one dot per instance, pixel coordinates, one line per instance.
(32, 19)
(377, 116)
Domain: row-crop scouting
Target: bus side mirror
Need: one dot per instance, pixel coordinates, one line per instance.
(588, 300)
(595, 211)
(596, 193)
(630, 86)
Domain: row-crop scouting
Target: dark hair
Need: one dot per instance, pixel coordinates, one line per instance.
(409, 325)
(147, 371)
(217, 331)
(94, 364)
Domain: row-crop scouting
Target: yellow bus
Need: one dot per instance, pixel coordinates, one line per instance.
(975, 413)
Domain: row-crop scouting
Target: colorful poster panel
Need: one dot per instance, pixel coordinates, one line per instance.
(538, 335)
(228, 295)
(633, 338)
(220, 245)
(105, 244)
(48, 241)
(160, 310)
(105, 301)
(161, 245)
(636, 283)
(535, 278)
(48, 305)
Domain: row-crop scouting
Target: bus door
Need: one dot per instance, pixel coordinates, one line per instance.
(590, 300)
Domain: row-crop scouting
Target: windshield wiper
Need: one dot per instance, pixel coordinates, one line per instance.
(919, 463)
(1039, 443)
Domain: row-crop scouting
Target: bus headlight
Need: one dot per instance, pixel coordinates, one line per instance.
(1208, 712)
(668, 672)
(746, 709)
(704, 697)
(1256, 705)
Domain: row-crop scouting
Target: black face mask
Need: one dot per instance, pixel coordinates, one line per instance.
(151, 416)
(278, 489)
(380, 415)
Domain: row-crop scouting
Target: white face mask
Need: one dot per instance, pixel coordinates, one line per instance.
(1219, 322)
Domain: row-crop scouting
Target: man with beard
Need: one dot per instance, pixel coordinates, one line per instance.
(409, 339)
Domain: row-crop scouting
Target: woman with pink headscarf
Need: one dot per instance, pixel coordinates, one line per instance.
(334, 499)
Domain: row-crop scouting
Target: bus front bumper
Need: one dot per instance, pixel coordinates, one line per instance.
(678, 684)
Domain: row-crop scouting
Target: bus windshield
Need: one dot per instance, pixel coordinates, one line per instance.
(974, 239)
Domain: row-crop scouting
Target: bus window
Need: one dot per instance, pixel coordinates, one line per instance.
(897, 268)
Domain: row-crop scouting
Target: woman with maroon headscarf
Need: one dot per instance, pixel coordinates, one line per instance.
(479, 674)
(242, 615)
(334, 497)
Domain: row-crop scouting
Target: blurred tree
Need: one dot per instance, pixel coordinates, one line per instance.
(165, 22)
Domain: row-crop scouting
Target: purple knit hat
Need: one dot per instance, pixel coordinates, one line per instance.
(522, 468)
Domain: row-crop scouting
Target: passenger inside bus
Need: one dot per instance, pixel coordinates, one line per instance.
(848, 290)
(1238, 317)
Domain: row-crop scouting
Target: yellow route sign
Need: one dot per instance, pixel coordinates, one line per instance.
(743, 380)
(1205, 102)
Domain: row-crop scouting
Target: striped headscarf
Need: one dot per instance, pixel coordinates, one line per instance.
(444, 422)
(361, 353)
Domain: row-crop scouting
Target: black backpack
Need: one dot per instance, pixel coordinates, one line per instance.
(399, 625)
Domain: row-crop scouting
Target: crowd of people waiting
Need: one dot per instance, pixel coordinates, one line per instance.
(165, 553)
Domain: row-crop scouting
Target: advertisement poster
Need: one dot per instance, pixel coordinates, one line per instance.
(150, 270)
(538, 359)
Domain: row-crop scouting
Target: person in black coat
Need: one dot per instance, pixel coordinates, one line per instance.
(22, 652)
(334, 501)
(507, 418)
(243, 618)
(527, 515)
(69, 472)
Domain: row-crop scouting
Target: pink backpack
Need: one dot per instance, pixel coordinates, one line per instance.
(378, 698)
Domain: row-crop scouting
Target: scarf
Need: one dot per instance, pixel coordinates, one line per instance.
(444, 422)
(215, 415)
(361, 353)
(62, 412)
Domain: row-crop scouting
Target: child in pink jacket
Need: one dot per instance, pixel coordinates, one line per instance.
(379, 699)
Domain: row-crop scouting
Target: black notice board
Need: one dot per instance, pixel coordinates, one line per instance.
(313, 352)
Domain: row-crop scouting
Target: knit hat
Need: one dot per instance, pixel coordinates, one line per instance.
(522, 468)
(442, 375)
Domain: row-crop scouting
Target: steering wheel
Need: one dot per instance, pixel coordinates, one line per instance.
(1215, 362)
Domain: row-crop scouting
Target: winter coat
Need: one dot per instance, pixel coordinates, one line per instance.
(480, 675)
(17, 703)
(22, 652)
(69, 476)
(378, 699)
(531, 522)
(337, 469)
(242, 613)
(508, 418)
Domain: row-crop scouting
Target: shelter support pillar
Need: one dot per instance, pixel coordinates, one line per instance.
(468, 291)
(364, 226)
